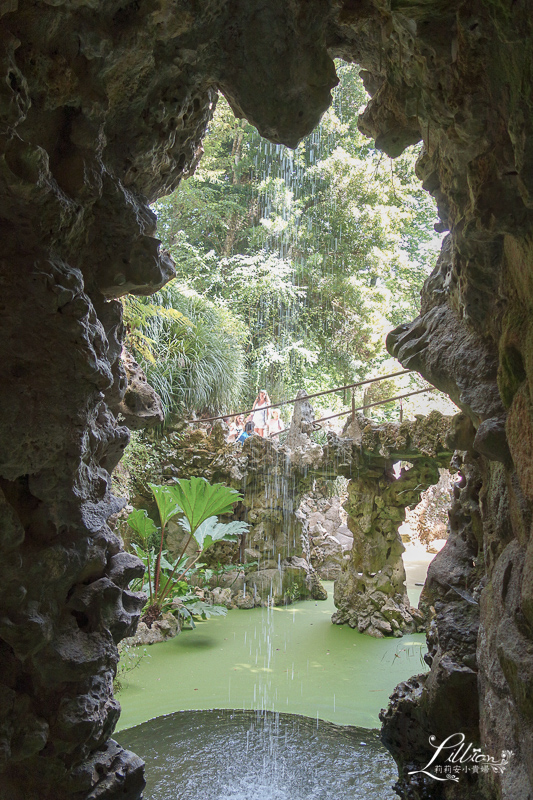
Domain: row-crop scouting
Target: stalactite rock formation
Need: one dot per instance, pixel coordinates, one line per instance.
(102, 109)
(103, 106)
(140, 406)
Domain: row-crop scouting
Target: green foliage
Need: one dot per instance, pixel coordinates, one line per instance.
(191, 608)
(292, 593)
(171, 578)
(137, 467)
(211, 531)
(205, 575)
(190, 349)
(167, 503)
(200, 502)
(142, 524)
(317, 252)
(130, 659)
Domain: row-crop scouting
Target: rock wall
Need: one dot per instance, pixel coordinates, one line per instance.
(324, 519)
(103, 106)
(428, 521)
(460, 76)
(447, 699)
(102, 109)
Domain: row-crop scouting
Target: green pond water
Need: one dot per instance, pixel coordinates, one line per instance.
(289, 659)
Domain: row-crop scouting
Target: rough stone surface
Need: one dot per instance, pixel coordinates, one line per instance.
(324, 523)
(370, 592)
(140, 407)
(428, 521)
(162, 629)
(102, 108)
(473, 340)
(446, 700)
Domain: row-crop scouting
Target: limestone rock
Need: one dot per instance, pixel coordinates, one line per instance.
(221, 596)
(162, 629)
(372, 581)
(241, 600)
(301, 580)
(140, 406)
(324, 523)
(491, 440)
(446, 699)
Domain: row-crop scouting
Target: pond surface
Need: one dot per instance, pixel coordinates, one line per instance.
(247, 755)
(288, 659)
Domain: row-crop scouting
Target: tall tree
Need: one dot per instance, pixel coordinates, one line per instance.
(318, 251)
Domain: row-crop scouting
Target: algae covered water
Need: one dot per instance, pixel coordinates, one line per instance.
(264, 662)
(289, 659)
(247, 755)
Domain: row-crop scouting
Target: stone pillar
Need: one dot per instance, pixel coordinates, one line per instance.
(370, 593)
(446, 699)
(77, 233)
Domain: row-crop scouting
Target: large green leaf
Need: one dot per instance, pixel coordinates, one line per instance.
(200, 500)
(205, 610)
(142, 524)
(166, 502)
(211, 531)
(167, 565)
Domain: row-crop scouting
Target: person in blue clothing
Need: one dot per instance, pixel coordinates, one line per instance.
(243, 435)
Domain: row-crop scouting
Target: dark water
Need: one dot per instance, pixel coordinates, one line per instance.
(250, 755)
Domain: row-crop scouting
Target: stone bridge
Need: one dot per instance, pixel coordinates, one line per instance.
(370, 593)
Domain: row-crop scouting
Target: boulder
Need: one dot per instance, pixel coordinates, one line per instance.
(160, 631)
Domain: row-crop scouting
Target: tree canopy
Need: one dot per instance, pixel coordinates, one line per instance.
(314, 254)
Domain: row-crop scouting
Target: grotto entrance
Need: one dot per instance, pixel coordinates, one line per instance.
(103, 111)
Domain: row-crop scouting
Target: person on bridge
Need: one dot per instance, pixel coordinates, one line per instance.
(261, 415)
(275, 424)
(235, 429)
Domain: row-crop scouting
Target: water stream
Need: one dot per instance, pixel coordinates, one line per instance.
(287, 659)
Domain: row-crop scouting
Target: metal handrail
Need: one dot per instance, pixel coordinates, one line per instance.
(377, 403)
(307, 397)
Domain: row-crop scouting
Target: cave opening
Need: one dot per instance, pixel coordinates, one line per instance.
(303, 260)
